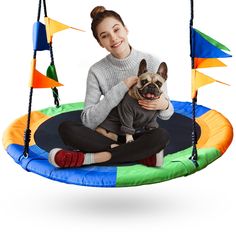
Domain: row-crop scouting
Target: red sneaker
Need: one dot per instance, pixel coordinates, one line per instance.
(65, 158)
(155, 160)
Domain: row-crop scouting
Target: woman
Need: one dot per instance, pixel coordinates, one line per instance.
(111, 78)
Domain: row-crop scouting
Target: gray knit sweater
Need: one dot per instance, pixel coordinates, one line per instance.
(105, 86)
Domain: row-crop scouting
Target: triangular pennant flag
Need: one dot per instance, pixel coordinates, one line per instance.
(39, 37)
(53, 26)
(38, 80)
(199, 80)
(202, 48)
(213, 41)
(207, 62)
(51, 72)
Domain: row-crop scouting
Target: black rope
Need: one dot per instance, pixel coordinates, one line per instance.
(45, 8)
(39, 10)
(27, 133)
(55, 96)
(51, 53)
(190, 30)
(194, 156)
(54, 90)
(38, 18)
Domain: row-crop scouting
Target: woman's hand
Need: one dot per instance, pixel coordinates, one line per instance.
(158, 104)
(131, 81)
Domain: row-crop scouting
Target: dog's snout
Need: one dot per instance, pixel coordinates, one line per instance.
(152, 87)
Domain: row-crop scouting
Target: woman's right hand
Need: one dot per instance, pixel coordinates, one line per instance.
(130, 81)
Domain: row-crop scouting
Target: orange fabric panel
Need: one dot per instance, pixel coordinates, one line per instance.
(41, 81)
(207, 62)
(38, 80)
(15, 132)
(216, 131)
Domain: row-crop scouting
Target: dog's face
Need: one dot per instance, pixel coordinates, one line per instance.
(149, 84)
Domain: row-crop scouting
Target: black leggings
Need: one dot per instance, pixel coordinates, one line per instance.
(79, 137)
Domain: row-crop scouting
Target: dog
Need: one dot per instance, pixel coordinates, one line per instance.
(129, 116)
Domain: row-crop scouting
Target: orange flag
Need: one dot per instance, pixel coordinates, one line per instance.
(207, 62)
(39, 80)
(199, 79)
(53, 26)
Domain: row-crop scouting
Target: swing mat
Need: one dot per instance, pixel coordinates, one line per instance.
(214, 134)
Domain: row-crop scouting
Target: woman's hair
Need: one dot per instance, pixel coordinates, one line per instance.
(98, 14)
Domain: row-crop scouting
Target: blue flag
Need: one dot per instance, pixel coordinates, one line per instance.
(40, 37)
(202, 48)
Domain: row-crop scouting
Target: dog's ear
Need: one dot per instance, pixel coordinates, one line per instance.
(163, 70)
(142, 67)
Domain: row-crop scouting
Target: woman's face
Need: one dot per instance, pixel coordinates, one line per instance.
(112, 36)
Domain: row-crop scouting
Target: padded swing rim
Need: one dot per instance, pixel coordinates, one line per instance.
(216, 136)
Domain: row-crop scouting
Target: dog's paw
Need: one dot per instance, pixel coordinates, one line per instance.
(129, 141)
(114, 145)
(129, 138)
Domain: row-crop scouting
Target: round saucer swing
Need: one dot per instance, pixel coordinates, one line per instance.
(198, 134)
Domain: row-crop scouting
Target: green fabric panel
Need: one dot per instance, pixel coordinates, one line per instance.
(206, 156)
(175, 165)
(213, 41)
(53, 111)
(51, 72)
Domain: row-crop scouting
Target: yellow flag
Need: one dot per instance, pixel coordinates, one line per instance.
(199, 79)
(39, 80)
(53, 26)
(207, 62)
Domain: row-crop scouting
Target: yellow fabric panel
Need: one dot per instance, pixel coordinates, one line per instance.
(199, 79)
(14, 134)
(216, 131)
(53, 26)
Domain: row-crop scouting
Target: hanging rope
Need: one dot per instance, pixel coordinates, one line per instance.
(27, 134)
(190, 30)
(54, 90)
(194, 156)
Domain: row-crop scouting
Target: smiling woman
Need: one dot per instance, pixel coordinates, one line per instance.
(108, 81)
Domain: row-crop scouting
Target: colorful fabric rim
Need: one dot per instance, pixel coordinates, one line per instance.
(216, 136)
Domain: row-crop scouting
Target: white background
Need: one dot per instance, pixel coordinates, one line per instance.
(200, 204)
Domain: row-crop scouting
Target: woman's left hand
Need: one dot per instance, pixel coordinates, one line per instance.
(160, 103)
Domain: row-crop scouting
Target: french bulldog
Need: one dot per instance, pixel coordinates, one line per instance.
(129, 116)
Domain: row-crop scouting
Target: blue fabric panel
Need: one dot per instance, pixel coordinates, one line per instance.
(95, 176)
(40, 37)
(201, 48)
(37, 162)
(185, 108)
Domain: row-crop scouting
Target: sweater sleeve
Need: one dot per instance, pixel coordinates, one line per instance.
(166, 114)
(96, 109)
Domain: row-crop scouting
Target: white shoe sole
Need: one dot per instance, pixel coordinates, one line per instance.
(160, 158)
(51, 156)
